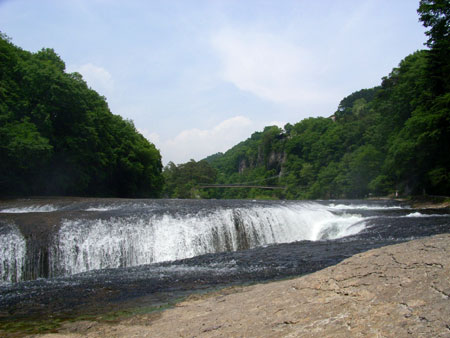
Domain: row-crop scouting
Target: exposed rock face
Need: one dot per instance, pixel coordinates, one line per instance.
(272, 160)
(396, 291)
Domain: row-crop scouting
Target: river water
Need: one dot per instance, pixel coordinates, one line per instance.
(67, 256)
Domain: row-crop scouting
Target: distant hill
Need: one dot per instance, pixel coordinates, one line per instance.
(391, 139)
(394, 138)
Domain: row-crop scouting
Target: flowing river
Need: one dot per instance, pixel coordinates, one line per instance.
(74, 254)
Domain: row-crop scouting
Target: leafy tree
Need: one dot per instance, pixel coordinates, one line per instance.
(182, 181)
(435, 15)
(59, 137)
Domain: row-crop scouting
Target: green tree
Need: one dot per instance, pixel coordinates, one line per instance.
(435, 15)
(182, 181)
(59, 137)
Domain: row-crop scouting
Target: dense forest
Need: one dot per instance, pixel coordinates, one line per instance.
(391, 139)
(58, 136)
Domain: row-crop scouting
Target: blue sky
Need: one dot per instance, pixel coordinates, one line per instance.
(198, 76)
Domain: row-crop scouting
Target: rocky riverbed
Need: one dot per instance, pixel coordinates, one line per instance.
(395, 291)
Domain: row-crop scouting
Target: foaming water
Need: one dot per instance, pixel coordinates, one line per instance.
(93, 234)
(111, 242)
(419, 214)
(333, 206)
(12, 253)
(28, 209)
(89, 244)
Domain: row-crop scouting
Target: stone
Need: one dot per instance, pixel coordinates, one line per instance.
(395, 291)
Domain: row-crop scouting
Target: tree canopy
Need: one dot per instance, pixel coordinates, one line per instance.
(182, 180)
(58, 136)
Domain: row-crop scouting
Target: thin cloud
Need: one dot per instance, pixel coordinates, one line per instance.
(154, 138)
(199, 143)
(268, 66)
(96, 77)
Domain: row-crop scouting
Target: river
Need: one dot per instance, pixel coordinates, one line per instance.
(68, 256)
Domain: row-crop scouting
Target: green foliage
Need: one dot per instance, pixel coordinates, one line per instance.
(394, 137)
(58, 136)
(182, 181)
(435, 15)
(346, 109)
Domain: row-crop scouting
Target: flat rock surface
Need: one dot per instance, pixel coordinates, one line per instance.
(395, 291)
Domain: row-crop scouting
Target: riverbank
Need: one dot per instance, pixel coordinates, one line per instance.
(430, 202)
(394, 291)
(418, 201)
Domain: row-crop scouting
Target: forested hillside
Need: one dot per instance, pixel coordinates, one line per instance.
(58, 136)
(383, 140)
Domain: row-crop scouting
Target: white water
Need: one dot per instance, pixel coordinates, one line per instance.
(83, 245)
(333, 206)
(33, 208)
(418, 214)
(12, 253)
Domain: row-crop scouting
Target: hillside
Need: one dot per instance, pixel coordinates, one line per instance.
(58, 136)
(380, 140)
(391, 139)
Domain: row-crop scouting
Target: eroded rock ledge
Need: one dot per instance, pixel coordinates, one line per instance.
(395, 291)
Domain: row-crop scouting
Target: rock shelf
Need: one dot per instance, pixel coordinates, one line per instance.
(395, 291)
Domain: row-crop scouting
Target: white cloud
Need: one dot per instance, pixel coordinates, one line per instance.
(199, 143)
(280, 124)
(96, 77)
(151, 136)
(269, 66)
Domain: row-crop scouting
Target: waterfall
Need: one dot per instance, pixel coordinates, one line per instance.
(66, 237)
(121, 241)
(12, 253)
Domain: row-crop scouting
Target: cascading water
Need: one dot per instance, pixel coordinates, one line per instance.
(99, 249)
(87, 244)
(62, 237)
(12, 253)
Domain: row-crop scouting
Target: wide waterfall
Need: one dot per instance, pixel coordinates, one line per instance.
(70, 237)
(87, 244)
(64, 255)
